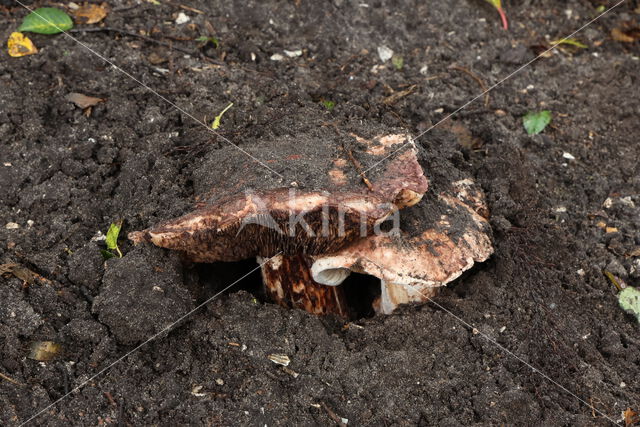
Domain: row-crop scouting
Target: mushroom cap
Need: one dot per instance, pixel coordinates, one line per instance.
(326, 205)
(439, 238)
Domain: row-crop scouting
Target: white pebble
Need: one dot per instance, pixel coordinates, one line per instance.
(384, 53)
(276, 57)
(293, 53)
(182, 18)
(12, 226)
(568, 156)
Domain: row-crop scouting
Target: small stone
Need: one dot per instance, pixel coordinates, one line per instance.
(568, 156)
(30, 223)
(384, 53)
(607, 203)
(277, 57)
(182, 18)
(12, 226)
(219, 381)
(293, 53)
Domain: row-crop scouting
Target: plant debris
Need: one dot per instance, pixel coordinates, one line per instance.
(91, 13)
(20, 45)
(43, 351)
(83, 101)
(279, 359)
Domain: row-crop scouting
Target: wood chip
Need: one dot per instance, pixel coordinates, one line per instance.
(83, 101)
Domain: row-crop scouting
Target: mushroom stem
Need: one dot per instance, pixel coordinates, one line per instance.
(289, 283)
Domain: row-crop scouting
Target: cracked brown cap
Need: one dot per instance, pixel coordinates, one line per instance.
(439, 239)
(327, 204)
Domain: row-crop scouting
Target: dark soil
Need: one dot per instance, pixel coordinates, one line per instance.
(558, 222)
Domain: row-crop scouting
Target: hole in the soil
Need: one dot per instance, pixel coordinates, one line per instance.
(205, 280)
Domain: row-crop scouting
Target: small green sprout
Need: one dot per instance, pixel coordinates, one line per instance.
(329, 105)
(398, 62)
(498, 5)
(571, 42)
(204, 40)
(535, 122)
(112, 241)
(216, 120)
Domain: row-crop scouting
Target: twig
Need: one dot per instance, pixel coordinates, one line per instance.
(358, 167)
(11, 380)
(333, 415)
(477, 79)
(132, 34)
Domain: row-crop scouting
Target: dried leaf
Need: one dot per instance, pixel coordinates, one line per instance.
(629, 35)
(20, 45)
(91, 13)
(83, 101)
(631, 417)
(18, 271)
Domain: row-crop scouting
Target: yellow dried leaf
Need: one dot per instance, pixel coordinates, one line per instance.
(19, 45)
(91, 13)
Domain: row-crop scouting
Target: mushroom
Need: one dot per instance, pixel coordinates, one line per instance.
(329, 222)
(440, 238)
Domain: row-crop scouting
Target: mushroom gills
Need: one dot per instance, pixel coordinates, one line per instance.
(288, 282)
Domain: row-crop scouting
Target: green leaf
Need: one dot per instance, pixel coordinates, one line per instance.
(629, 300)
(571, 41)
(112, 237)
(328, 104)
(46, 20)
(398, 62)
(216, 121)
(535, 123)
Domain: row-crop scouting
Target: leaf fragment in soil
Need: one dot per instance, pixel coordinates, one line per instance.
(91, 13)
(535, 122)
(629, 300)
(46, 20)
(83, 101)
(20, 45)
(44, 350)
